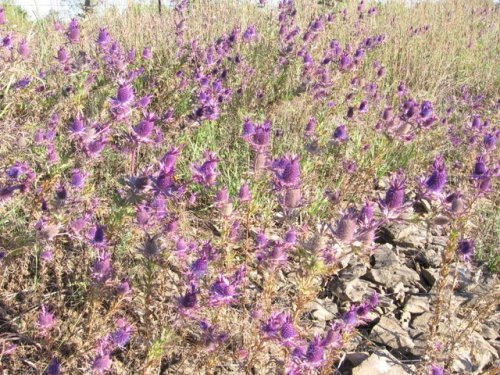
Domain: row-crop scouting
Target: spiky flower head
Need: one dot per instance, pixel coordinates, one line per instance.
(436, 370)
(437, 180)
(101, 268)
(3, 19)
(465, 249)
(46, 321)
(287, 172)
(53, 367)
(121, 335)
(23, 49)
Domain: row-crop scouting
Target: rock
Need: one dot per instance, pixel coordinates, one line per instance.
(417, 304)
(380, 363)
(389, 277)
(356, 289)
(385, 256)
(473, 355)
(389, 332)
(352, 272)
(421, 322)
(386, 304)
(489, 333)
(405, 319)
(430, 275)
(356, 358)
(322, 310)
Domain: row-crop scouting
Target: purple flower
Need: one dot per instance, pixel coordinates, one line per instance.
(273, 324)
(480, 169)
(103, 38)
(314, 355)
(46, 321)
(257, 136)
(490, 141)
(3, 19)
(287, 172)
(436, 370)
(250, 34)
(121, 336)
(123, 289)
(435, 183)
(244, 193)
(53, 367)
(393, 203)
(101, 269)
(188, 301)
(77, 126)
(346, 228)
(144, 128)
(287, 332)
(147, 54)
(23, 49)
(206, 173)
(73, 32)
(62, 56)
(465, 249)
(102, 363)
(340, 134)
(7, 41)
(124, 94)
(77, 178)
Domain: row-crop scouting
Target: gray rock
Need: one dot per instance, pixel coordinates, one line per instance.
(380, 363)
(405, 319)
(323, 310)
(385, 256)
(474, 355)
(356, 289)
(357, 357)
(391, 276)
(489, 333)
(417, 304)
(430, 275)
(421, 322)
(389, 332)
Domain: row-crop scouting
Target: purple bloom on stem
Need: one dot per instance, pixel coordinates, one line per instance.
(62, 56)
(287, 172)
(250, 34)
(480, 169)
(46, 321)
(23, 49)
(101, 269)
(465, 249)
(53, 367)
(121, 336)
(394, 200)
(3, 19)
(77, 178)
(103, 38)
(206, 173)
(340, 134)
(147, 54)
(436, 370)
(73, 32)
(123, 289)
(102, 363)
(244, 193)
(435, 183)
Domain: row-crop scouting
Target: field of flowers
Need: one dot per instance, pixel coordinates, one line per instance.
(180, 192)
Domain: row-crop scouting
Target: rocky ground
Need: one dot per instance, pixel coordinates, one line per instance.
(404, 271)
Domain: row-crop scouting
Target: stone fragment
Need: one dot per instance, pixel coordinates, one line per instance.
(380, 363)
(322, 310)
(417, 304)
(389, 332)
